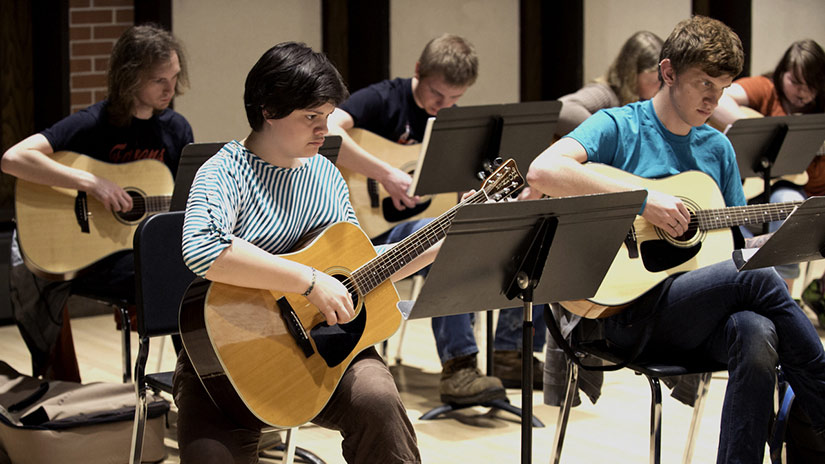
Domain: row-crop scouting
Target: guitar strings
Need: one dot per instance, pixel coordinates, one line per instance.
(394, 257)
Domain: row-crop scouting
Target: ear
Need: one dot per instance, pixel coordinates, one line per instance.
(415, 74)
(667, 72)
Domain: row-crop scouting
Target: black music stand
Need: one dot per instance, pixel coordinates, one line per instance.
(464, 142)
(570, 242)
(776, 146)
(800, 238)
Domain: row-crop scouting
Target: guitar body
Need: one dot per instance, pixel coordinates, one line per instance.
(368, 196)
(643, 263)
(241, 348)
(63, 231)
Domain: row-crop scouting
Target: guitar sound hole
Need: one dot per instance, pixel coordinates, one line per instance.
(138, 210)
(691, 231)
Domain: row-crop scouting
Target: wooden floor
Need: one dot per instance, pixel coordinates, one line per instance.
(615, 430)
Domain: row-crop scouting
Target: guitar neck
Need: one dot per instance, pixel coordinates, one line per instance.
(380, 268)
(710, 219)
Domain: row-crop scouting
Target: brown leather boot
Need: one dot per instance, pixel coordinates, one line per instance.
(463, 383)
(507, 367)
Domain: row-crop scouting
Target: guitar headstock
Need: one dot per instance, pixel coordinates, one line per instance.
(504, 181)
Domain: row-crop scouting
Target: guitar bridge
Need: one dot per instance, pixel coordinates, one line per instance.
(294, 327)
(81, 212)
(632, 244)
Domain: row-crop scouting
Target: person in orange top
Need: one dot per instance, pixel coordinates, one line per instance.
(796, 86)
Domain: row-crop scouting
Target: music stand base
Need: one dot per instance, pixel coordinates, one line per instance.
(503, 405)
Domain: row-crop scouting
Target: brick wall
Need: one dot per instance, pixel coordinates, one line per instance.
(94, 26)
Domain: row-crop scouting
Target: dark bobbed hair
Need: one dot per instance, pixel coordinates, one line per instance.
(806, 60)
(138, 50)
(704, 42)
(288, 77)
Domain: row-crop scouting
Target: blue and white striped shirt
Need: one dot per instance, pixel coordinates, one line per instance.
(237, 194)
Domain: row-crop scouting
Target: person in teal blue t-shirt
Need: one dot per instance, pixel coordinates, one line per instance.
(746, 320)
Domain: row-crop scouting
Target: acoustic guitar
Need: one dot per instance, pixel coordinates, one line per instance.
(268, 358)
(371, 202)
(649, 254)
(63, 231)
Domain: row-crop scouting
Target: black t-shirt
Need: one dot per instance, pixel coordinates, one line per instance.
(89, 132)
(388, 109)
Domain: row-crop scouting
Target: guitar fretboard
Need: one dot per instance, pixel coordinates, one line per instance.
(158, 203)
(379, 269)
(710, 219)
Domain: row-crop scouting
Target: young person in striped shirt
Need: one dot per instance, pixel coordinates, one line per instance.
(256, 198)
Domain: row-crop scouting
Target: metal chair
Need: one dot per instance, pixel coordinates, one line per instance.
(162, 279)
(653, 371)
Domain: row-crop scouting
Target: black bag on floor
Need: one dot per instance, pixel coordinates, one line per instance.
(68, 422)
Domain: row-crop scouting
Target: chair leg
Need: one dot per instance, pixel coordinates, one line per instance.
(289, 450)
(655, 420)
(126, 337)
(564, 410)
(698, 408)
(141, 404)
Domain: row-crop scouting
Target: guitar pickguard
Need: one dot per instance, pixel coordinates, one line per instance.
(335, 343)
(659, 255)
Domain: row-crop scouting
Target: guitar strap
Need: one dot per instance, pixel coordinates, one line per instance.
(633, 353)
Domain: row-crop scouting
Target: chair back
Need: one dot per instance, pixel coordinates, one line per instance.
(161, 277)
(191, 158)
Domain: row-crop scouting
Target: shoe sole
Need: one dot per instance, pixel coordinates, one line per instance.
(483, 397)
(537, 386)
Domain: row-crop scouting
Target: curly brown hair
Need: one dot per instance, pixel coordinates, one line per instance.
(136, 53)
(704, 42)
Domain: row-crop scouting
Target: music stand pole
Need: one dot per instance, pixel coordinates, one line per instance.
(526, 277)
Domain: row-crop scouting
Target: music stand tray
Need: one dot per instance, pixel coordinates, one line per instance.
(477, 258)
(800, 238)
(539, 251)
(778, 145)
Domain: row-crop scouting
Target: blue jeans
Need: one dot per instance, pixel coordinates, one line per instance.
(783, 192)
(748, 321)
(454, 334)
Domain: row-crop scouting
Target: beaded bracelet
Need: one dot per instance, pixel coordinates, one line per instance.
(311, 285)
